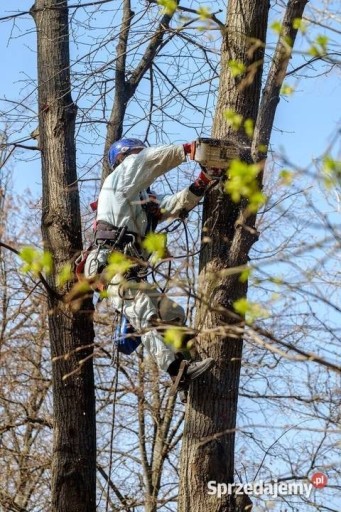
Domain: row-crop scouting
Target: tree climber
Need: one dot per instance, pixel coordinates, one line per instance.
(127, 210)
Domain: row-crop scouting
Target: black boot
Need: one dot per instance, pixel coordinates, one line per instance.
(174, 367)
(192, 371)
(197, 368)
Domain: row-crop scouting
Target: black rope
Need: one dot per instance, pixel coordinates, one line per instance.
(115, 362)
(187, 269)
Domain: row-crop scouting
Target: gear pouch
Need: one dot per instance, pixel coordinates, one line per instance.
(125, 337)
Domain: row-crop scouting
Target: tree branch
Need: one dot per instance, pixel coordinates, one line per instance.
(114, 488)
(47, 287)
(210, 16)
(23, 146)
(120, 83)
(150, 52)
(54, 8)
(125, 89)
(271, 94)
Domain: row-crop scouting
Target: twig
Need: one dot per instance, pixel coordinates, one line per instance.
(48, 288)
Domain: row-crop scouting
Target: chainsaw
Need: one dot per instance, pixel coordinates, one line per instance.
(214, 156)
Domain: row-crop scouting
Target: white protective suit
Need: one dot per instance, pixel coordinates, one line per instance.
(119, 204)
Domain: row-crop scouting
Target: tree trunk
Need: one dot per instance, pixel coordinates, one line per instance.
(209, 434)
(210, 423)
(71, 333)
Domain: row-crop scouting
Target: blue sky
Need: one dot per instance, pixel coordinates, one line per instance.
(304, 122)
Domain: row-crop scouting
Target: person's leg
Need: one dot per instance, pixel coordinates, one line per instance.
(172, 313)
(140, 308)
(169, 311)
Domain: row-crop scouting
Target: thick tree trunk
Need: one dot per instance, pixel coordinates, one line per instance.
(209, 435)
(71, 334)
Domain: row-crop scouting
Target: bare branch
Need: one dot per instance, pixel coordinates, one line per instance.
(270, 97)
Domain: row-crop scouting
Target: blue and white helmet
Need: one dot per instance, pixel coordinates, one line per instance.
(122, 147)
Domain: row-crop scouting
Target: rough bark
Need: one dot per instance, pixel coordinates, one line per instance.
(71, 333)
(210, 423)
(209, 434)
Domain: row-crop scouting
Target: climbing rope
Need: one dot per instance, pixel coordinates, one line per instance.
(114, 385)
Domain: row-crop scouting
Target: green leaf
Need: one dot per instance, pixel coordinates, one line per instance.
(36, 261)
(322, 41)
(313, 50)
(250, 310)
(237, 67)
(276, 26)
(332, 165)
(319, 46)
(263, 148)
(249, 127)
(118, 263)
(204, 13)
(234, 120)
(287, 90)
(27, 254)
(242, 182)
(169, 6)
(245, 274)
(331, 171)
(241, 306)
(65, 274)
(156, 243)
(299, 24)
(256, 199)
(286, 176)
(174, 337)
(46, 262)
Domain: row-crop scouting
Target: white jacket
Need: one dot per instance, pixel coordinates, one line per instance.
(119, 201)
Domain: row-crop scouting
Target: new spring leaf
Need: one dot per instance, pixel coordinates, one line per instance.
(251, 310)
(36, 261)
(118, 263)
(169, 6)
(155, 243)
(242, 182)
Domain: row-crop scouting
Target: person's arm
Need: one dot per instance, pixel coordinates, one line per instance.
(186, 199)
(137, 172)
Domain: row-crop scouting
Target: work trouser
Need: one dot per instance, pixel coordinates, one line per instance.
(139, 302)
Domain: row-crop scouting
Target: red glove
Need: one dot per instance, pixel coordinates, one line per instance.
(203, 178)
(189, 149)
(94, 205)
(198, 188)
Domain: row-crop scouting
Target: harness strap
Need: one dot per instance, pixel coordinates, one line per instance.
(120, 239)
(115, 236)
